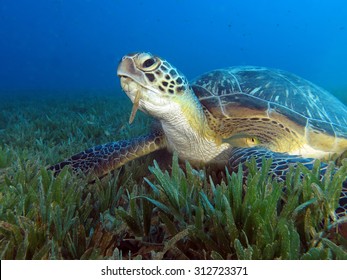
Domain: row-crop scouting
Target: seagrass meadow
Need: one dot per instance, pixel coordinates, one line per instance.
(155, 207)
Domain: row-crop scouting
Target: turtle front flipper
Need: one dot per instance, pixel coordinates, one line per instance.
(101, 159)
(280, 166)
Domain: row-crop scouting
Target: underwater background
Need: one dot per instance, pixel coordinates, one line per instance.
(59, 95)
(57, 44)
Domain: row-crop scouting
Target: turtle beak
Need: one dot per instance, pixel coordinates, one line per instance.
(131, 88)
(126, 66)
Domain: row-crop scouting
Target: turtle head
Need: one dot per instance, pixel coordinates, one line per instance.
(153, 85)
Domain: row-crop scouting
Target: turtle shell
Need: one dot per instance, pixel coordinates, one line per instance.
(276, 96)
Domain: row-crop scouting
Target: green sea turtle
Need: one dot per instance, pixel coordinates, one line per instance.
(224, 117)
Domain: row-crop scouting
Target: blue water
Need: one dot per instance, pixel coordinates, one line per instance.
(76, 44)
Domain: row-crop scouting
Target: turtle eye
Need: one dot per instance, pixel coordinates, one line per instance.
(148, 62)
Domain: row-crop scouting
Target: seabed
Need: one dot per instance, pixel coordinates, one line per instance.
(152, 208)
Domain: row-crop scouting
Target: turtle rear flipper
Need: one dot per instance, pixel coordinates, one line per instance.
(101, 159)
(280, 166)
